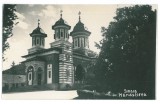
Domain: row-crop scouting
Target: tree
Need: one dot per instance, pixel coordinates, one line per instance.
(127, 56)
(13, 68)
(9, 17)
(13, 64)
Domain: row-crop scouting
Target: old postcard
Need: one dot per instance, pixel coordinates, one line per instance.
(53, 51)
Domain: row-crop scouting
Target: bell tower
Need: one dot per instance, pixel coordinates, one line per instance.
(61, 29)
(61, 36)
(38, 39)
(80, 36)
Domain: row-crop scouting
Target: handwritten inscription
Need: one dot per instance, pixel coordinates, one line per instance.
(132, 93)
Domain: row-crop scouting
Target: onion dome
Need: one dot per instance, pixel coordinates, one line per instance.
(79, 27)
(38, 31)
(60, 22)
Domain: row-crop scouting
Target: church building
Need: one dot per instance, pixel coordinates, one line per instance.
(63, 64)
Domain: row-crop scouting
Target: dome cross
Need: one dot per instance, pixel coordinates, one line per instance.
(38, 22)
(61, 13)
(79, 13)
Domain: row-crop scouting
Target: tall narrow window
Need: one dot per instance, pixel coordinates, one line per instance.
(43, 42)
(81, 42)
(40, 40)
(49, 74)
(65, 34)
(37, 41)
(62, 32)
(56, 35)
(59, 33)
(76, 42)
(34, 40)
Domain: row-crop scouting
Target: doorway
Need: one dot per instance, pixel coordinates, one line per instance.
(39, 76)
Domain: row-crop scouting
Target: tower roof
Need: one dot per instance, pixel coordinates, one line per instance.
(79, 27)
(38, 31)
(61, 22)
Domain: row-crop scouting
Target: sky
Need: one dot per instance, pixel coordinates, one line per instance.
(93, 16)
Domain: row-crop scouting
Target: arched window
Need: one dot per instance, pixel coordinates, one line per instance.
(30, 68)
(42, 41)
(34, 40)
(76, 42)
(38, 41)
(61, 34)
(56, 35)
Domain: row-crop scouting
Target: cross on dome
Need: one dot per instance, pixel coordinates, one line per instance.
(79, 13)
(61, 13)
(38, 22)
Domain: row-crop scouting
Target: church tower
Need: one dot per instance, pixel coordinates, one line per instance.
(38, 39)
(80, 36)
(61, 36)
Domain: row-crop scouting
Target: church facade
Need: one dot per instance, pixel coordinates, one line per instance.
(63, 64)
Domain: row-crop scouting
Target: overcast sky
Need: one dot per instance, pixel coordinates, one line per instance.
(93, 17)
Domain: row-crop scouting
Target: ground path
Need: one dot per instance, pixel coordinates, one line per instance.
(38, 95)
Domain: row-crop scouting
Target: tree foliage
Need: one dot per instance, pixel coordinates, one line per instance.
(127, 57)
(13, 64)
(8, 22)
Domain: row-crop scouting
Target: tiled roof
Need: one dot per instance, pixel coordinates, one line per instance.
(43, 51)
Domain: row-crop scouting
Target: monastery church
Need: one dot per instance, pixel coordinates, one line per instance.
(63, 64)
